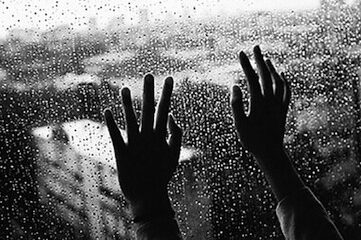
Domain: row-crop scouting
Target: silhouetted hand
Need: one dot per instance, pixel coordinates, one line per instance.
(261, 130)
(147, 161)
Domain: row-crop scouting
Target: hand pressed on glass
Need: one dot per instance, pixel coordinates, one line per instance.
(147, 161)
(261, 130)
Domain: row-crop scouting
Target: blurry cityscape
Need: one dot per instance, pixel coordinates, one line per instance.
(58, 175)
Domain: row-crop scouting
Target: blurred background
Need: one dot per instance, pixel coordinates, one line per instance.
(63, 62)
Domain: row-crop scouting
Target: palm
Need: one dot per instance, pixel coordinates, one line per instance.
(147, 161)
(262, 129)
(143, 170)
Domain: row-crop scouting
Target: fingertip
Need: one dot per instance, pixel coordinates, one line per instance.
(125, 92)
(107, 113)
(167, 88)
(109, 119)
(148, 80)
(169, 81)
(236, 98)
(126, 98)
(242, 56)
(244, 60)
(148, 76)
(257, 50)
(236, 91)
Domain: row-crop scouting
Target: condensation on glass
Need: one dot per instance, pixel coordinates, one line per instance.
(63, 62)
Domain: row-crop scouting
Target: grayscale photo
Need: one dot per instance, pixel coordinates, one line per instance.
(180, 119)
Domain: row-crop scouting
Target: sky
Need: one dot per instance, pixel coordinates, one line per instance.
(47, 14)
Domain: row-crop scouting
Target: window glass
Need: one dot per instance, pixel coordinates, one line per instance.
(63, 62)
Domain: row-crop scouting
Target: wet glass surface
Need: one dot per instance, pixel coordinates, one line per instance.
(63, 62)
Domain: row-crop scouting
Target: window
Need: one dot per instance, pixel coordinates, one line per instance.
(63, 62)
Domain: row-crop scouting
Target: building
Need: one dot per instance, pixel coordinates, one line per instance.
(24, 35)
(92, 25)
(80, 185)
(116, 24)
(61, 32)
(143, 16)
(78, 177)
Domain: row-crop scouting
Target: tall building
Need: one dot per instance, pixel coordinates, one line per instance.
(143, 16)
(25, 35)
(116, 23)
(92, 24)
(78, 179)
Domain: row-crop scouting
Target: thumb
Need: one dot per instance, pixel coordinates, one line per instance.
(175, 138)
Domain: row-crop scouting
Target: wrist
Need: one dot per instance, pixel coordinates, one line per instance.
(152, 207)
(280, 172)
(272, 153)
(160, 228)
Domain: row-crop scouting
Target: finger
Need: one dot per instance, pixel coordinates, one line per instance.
(287, 92)
(278, 86)
(131, 120)
(115, 135)
(148, 105)
(252, 78)
(237, 107)
(175, 139)
(163, 107)
(266, 81)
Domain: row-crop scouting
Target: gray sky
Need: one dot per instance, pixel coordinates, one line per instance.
(46, 14)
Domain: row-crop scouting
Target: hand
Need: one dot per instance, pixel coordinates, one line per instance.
(261, 130)
(147, 161)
